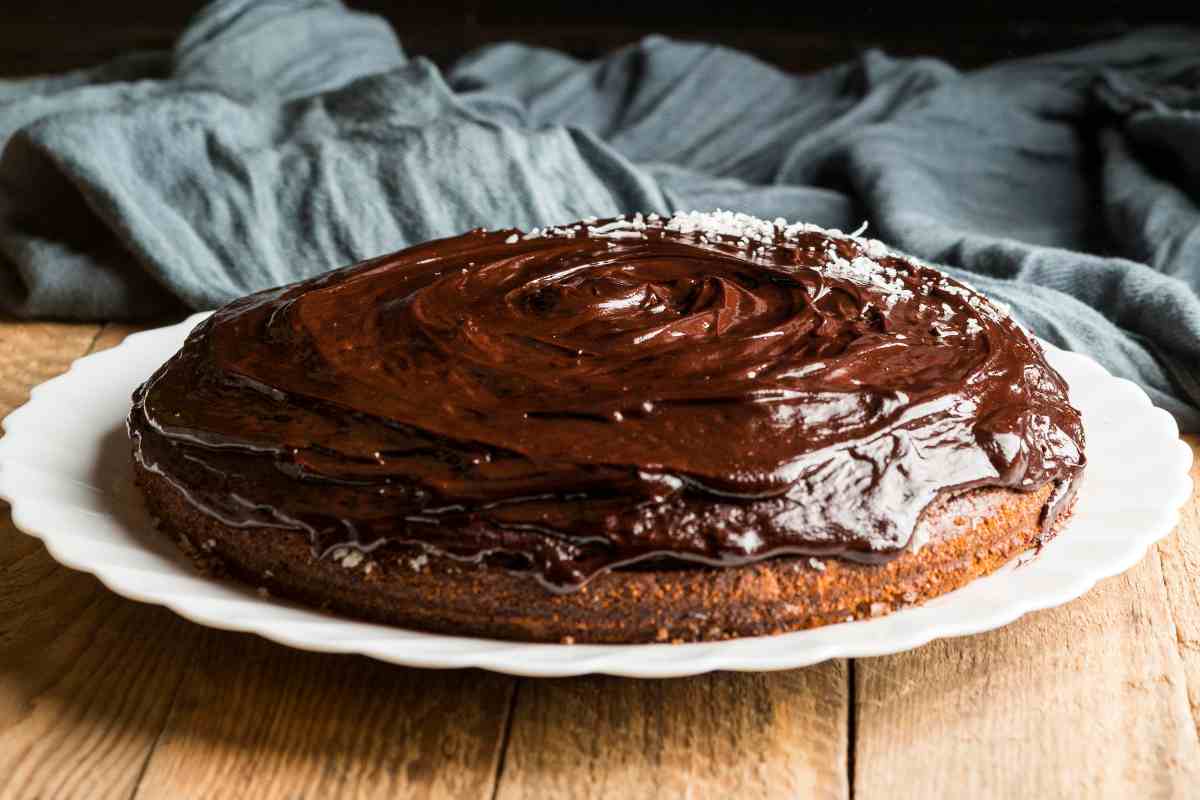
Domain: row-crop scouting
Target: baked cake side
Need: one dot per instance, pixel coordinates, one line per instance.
(700, 426)
(978, 532)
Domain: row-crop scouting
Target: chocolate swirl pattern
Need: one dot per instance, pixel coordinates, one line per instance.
(708, 388)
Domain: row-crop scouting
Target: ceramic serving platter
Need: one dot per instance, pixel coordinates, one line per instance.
(64, 467)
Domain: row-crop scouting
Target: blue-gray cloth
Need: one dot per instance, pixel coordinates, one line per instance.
(284, 138)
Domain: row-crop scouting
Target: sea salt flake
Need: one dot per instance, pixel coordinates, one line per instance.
(619, 224)
(875, 248)
(749, 541)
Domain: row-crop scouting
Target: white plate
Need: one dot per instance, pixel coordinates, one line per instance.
(64, 467)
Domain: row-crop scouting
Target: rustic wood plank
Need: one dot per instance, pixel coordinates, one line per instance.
(1180, 555)
(91, 684)
(719, 735)
(86, 678)
(1089, 699)
(255, 719)
(33, 352)
(113, 333)
(84, 682)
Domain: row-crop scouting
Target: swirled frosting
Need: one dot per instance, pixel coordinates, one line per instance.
(710, 388)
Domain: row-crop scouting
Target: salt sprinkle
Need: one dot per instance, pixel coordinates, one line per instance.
(726, 223)
(347, 557)
(749, 232)
(749, 541)
(875, 248)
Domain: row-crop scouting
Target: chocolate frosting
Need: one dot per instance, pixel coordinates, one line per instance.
(710, 388)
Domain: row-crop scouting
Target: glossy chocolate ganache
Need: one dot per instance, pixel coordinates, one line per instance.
(708, 388)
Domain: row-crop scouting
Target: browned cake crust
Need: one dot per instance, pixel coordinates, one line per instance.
(554, 435)
(969, 534)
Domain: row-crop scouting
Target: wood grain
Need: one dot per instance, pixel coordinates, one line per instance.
(112, 334)
(84, 682)
(103, 697)
(1180, 555)
(86, 678)
(1086, 700)
(719, 735)
(33, 352)
(254, 719)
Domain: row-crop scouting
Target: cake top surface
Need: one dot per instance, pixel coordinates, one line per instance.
(705, 386)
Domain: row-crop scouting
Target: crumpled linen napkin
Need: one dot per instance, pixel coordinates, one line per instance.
(283, 138)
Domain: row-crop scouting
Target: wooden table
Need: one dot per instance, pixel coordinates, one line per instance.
(104, 697)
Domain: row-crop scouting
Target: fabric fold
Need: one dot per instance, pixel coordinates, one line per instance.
(284, 138)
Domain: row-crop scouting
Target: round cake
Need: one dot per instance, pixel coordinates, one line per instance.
(636, 429)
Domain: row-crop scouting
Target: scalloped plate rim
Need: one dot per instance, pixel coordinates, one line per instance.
(419, 649)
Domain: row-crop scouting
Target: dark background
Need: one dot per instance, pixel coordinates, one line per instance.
(53, 35)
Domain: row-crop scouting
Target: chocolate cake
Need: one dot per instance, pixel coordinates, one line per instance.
(635, 429)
